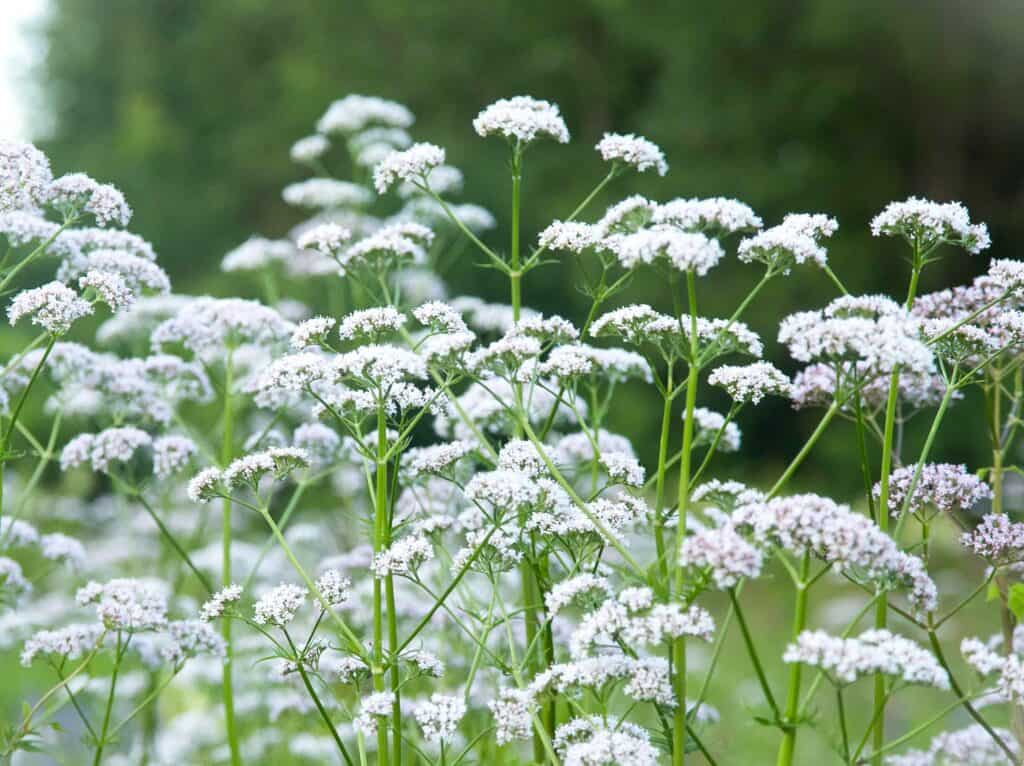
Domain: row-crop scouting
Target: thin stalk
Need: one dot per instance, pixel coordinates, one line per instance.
(882, 519)
(752, 651)
(788, 746)
(679, 644)
(226, 456)
(5, 445)
(805, 450)
(40, 250)
(965, 700)
(173, 542)
(319, 705)
(841, 712)
(893, 744)
(659, 492)
(102, 741)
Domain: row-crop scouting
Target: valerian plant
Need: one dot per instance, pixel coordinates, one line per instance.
(392, 525)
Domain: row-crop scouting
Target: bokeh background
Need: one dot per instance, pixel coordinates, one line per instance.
(834, 106)
(824, 105)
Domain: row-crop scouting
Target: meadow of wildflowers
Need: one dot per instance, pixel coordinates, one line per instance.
(389, 524)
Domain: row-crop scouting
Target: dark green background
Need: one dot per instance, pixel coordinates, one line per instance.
(837, 106)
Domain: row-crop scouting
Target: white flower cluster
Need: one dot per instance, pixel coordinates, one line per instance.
(218, 602)
(942, 486)
(722, 552)
(646, 679)
(997, 539)
(54, 307)
(76, 191)
(707, 424)
(931, 223)
(412, 165)
(869, 330)
(279, 605)
(680, 250)
(971, 745)
(369, 324)
(114, 445)
(439, 716)
(522, 119)
(874, 651)
(715, 215)
(847, 540)
(639, 324)
(25, 176)
(326, 193)
(354, 113)
(795, 241)
(635, 151)
(635, 618)
(568, 591)
(593, 742)
(126, 604)
(987, 662)
(403, 556)
(751, 382)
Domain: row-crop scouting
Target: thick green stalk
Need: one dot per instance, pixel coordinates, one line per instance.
(396, 674)
(226, 455)
(379, 524)
(788, 746)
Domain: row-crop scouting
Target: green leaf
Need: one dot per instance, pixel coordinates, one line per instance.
(1015, 600)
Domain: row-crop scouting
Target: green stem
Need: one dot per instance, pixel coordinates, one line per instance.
(752, 651)
(102, 741)
(319, 705)
(965, 699)
(679, 644)
(882, 519)
(379, 523)
(659, 502)
(226, 456)
(805, 450)
(5, 445)
(40, 250)
(173, 542)
(788, 746)
(925, 451)
(841, 712)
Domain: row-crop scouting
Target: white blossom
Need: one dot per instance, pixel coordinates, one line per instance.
(412, 165)
(522, 118)
(632, 150)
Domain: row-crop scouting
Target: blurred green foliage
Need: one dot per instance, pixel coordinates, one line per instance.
(833, 105)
